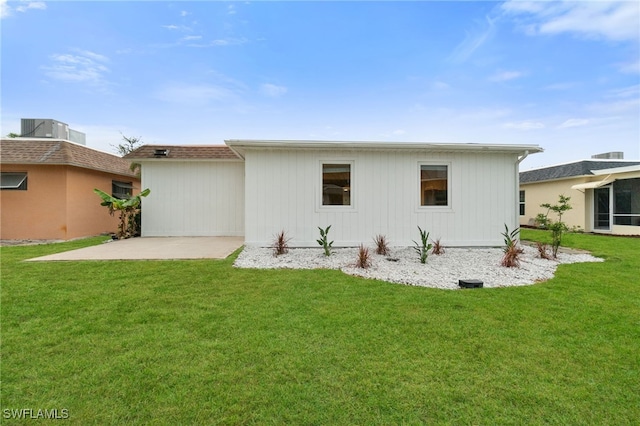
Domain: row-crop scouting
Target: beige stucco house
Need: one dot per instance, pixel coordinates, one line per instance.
(47, 189)
(605, 194)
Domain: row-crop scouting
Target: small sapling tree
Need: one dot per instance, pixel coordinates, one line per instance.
(558, 227)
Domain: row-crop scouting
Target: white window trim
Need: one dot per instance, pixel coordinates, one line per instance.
(522, 203)
(321, 207)
(16, 186)
(416, 191)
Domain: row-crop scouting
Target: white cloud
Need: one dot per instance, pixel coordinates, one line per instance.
(171, 27)
(506, 76)
(625, 106)
(523, 6)
(5, 10)
(624, 92)
(524, 125)
(272, 90)
(399, 132)
(574, 122)
(228, 41)
(191, 38)
(440, 85)
(632, 67)
(617, 20)
(26, 5)
(82, 66)
(93, 56)
(231, 9)
(224, 80)
(561, 86)
(473, 41)
(184, 13)
(23, 6)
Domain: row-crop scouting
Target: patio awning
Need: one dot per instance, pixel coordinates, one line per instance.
(592, 185)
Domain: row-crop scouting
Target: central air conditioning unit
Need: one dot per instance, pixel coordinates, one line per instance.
(44, 128)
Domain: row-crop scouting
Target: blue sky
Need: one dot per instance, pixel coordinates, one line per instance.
(562, 75)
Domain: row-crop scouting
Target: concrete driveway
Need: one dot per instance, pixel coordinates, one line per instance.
(153, 248)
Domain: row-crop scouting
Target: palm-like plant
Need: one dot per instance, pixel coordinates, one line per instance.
(424, 246)
(127, 208)
(324, 240)
(511, 250)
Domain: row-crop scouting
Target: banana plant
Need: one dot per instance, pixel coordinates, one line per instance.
(127, 208)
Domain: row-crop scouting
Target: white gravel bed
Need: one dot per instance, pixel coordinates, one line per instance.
(442, 271)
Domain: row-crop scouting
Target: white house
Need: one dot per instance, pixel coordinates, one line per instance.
(463, 194)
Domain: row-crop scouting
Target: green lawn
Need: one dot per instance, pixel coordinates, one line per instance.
(199, 342)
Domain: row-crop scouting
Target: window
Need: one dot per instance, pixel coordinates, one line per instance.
(434, 182)
(336, 184)
(626, 202)
(121, 189)
(14, 181)
(521, 203)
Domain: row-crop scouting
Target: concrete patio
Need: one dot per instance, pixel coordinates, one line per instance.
(153, 248)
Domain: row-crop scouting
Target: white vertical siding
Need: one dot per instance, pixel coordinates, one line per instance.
(282, 193)
(193, 198)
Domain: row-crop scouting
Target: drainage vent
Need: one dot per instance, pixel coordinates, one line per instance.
(470, 283)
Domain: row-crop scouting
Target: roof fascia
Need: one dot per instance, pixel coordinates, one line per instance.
(616, 170)
(70, 164)
(556, 180)
(185, 160)
(241, 145)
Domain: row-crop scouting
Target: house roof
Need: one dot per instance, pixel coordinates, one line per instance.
(622, 169)
(60, 152)
(578, 168)
(183, 152)
(240, 146)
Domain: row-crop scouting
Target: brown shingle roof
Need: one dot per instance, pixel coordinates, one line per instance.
(60, 152)
(184, 152)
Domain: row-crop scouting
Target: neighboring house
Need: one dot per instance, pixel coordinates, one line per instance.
(47, 189)
(463, 194)
(605, 194)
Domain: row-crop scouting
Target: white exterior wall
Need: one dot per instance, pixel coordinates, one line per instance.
(283, 191)
(193, 198)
